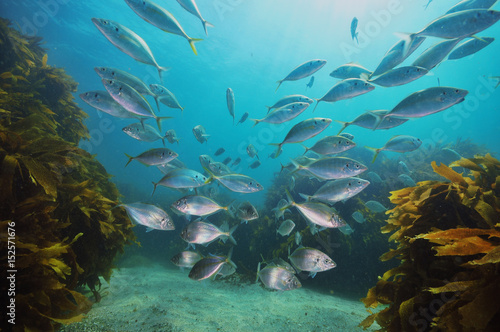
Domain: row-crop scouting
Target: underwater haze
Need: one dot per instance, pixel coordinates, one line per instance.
(252, 45)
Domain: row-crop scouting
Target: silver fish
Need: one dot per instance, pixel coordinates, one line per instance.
(348, 136)
(401, 75)
(160, 18)
(186, 259)
(252, 151)
(109, 73)
(226, 161)
(173, 164)
(354, 26)
(346, 89)
(407, 180)
(358, 217)
(350, 70)
(255, 164)
(425, 102)
(470, 47)
(396, 55)
(471, 4)
(303, 131)
(338, 190)
(368, 120)
(399, 143)
(278, 278)
(237, 182)
(246, 212)
(131, 100)
(459, 24)
(102, 101)
(200, 134)
(206, 160)
(311, 260)
(181, 178)
(163, 95)
(219, 168)
(402, 168)
(280, 209)
(243, 118)
(200, 232)
(128, 42)
(298, 238)
(290, 99)
(208, 267)
(283, 114)
(374, 177)
(197, 205)
(219, 151)
(286, 227)
(375, 206)
(190, 6)
(230, 102)
(154, 157)
(306, 69)
(149, 215)
(171, 136)
(236, 162)
(311, 82)
(347, 229)
(433, 56)
(331, 145)
(330, 168)
(317, 213)
(143, 132)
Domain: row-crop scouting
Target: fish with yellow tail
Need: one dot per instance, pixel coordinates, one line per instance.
(400, 143)
(303, 131)
(160, 18)
(304, 70)
(128, 42)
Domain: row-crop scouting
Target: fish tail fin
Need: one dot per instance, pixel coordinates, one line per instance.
(378, 121)
(365, 77)
(377, 151)
(154, 188)
(344, 126)
(211, 175)
(290, 200)
(317, 102)
(205, 25)
(279, 84)
(257, 121)
(305, 147)
(230, 235)
(278, 152)
(163, 140)
(161, 70)
(268, 109)
(306, 197)
(356, 36)
(142, 122)
(157, 102)
(408, 39)
(282, 167)
(258, 271)
(130, 158)
(191, 43)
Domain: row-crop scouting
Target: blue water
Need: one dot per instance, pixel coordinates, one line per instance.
(254, 44)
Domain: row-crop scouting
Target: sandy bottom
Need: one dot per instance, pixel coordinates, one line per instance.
(158, 298)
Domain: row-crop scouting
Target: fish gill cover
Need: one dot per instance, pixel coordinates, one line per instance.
(56, 199)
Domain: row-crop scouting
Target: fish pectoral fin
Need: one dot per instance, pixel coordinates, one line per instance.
(312, 274)
(149, 229)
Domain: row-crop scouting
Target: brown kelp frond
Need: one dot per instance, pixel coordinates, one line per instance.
(56, 196)
(448, 239)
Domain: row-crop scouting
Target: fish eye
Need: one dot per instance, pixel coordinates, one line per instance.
(444, 93)
(357, 166)
(105, 22)
(116, 29)
(355, 83)
(456, 91)
(96, 95)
